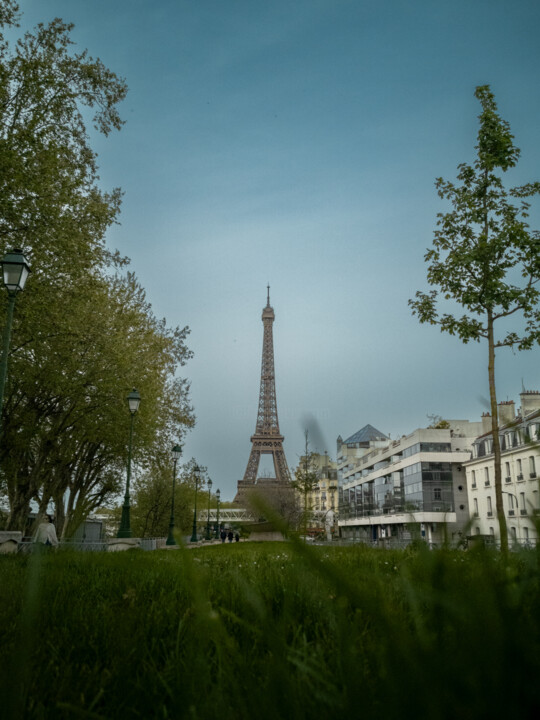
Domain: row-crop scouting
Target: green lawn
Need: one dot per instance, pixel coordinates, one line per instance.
(270, 630)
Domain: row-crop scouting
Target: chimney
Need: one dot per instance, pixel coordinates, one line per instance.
(486, 423)
(530, 402)
(507, 412)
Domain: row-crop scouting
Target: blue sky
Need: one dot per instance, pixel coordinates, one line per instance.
(296, 143)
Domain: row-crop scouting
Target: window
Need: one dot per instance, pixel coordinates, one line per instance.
(507, 472)
(492, 532)
(437, 494)
(486, 476)
(514, 534)
(526, 534)
(523, 507)
(489, 506)
(474, 478)
(475, 507)
(532, 467)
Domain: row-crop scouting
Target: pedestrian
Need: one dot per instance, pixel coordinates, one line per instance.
(46, 532)
(223, 535)
(230, 535)
(237, 537)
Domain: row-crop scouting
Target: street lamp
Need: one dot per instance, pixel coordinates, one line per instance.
(133, 401)
(218, 497)
(15, 269)
(197, 473)
(176, 453)
(208, 515)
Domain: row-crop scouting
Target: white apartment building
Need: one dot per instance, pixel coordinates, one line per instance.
(414, 486)
(520, 468)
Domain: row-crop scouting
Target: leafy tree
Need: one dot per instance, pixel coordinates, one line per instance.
(153, 494)
(306, 478)
(84, 333)
(485, 257)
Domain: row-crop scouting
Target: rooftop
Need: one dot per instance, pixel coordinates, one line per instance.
(367, 433)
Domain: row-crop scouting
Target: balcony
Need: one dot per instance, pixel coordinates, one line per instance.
(490, 513)
(487, 483)
(507, 479)
(532, 476)
(520, 477)
(511, 512)
(523, 511)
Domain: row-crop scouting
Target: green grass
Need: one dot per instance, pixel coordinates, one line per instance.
(270, 631)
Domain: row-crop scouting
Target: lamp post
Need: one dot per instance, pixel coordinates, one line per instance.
(218, 497)
(15, 269)
(176, 453)
(133, 400)
(197, 473)
(208, 515)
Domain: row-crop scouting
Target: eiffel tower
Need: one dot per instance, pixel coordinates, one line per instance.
(267, 440)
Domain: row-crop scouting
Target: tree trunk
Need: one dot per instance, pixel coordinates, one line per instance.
(495, 437)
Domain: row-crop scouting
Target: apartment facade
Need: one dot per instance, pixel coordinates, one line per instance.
(414, 486)
(519, 437)
(323, 498)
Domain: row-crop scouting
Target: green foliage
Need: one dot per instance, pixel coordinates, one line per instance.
(152, 496)
(84, 333)
(271, 630)
(484, 256)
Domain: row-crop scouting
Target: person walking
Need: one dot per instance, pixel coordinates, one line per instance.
(230, 535)
(46, 533)
(223, 535)
(237, 537)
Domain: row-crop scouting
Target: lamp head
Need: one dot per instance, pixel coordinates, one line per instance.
(134, 400)
(15, 269)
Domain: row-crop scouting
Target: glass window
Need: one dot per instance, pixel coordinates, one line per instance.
(532, 466)
(486, 475)
(489, 506)
(474, 478)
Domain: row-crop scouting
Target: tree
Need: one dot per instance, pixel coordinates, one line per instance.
(84, 333)
(153, 494)
(306, 478)
(485, 257)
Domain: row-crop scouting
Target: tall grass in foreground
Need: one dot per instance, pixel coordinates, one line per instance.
(270, 631)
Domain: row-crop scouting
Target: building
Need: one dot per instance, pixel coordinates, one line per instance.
(324, 495)
(519, 436)
(414, 486)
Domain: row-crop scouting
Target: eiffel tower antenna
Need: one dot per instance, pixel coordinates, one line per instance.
(267, 439)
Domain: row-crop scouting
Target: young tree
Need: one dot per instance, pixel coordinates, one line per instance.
(306, 478)
(485, 257)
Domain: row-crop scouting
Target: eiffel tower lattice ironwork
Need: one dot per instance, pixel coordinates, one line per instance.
(267, 439)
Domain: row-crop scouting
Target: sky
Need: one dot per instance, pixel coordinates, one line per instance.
(296, 143)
